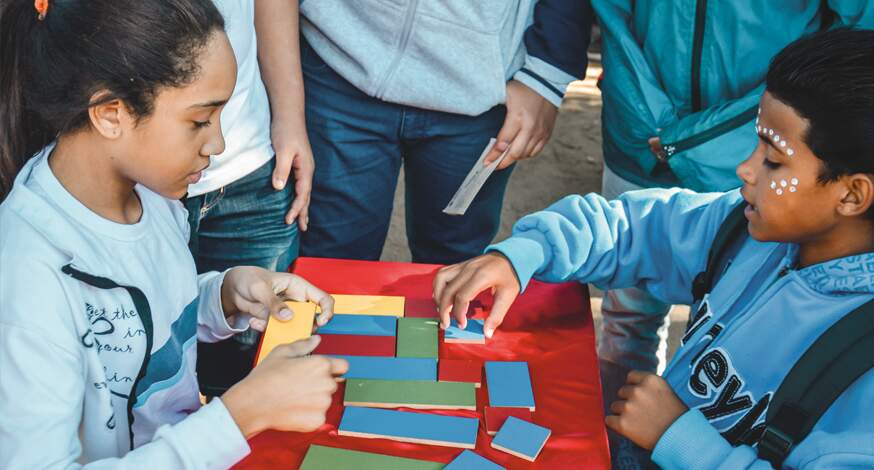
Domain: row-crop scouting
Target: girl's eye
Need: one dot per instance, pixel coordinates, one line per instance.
(770, 164)
(202, 124)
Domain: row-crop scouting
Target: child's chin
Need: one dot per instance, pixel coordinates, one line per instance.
(758, 233)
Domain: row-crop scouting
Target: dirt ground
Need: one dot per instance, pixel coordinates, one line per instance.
(570, 164)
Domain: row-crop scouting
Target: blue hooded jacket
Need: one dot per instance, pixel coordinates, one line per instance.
(760, 316)
(691, 72)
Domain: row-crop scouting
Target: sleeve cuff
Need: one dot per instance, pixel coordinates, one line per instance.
(548, 81)
(526, 255)
(691, 442)
(210, 437)
(211, 315)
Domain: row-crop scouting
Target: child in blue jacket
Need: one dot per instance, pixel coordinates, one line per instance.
(808, 189)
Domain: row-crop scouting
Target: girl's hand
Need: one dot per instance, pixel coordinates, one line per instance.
(646, 409)
(457, 285)
(286, 391)
(259, 293)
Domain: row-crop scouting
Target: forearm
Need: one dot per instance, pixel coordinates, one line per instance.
(277, 29)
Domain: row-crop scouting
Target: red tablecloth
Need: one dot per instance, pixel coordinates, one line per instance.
(550, 326)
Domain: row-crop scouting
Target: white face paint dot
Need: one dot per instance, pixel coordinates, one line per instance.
(794, 181)
(792, 189)
(776, 138)
(770, 131)
(783, 183)
(782, 143)
(773, 185)
(790, 152)
(779, 192)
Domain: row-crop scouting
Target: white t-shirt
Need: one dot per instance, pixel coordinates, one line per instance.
(99, 323)
(246, 117)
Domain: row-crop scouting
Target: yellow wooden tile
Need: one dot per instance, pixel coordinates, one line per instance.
(368, 305)
(279, 332)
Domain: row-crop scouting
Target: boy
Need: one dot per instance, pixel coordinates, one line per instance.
(808, 192)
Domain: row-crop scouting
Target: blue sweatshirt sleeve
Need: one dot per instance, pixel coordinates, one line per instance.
(656, 239)
(556, 44)
(693, 443)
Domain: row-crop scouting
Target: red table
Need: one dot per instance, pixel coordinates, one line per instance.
(550, 326)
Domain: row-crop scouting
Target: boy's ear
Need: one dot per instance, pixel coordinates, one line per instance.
(108, 118)
(858, 195)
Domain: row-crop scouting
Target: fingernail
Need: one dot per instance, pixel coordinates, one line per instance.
(285, 314)
(278, 183)
(502, 146)
(321, 320)
(489, 332)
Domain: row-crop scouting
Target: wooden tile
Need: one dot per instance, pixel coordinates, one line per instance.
(321, 458)
(509, 384)
(420, 394)
(495, 417)
(356, 345)
(417, 337)
(390, 368)
(404, 426)
(460, 370)
(521, 438)
(279, 332)
(472, 334)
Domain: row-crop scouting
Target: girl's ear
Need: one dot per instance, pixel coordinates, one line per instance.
(108, 117)
(858, 196)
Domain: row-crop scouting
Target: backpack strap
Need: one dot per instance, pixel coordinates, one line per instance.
(831, 364)
(729, 231)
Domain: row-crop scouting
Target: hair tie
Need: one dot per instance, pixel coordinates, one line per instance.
(42, 7)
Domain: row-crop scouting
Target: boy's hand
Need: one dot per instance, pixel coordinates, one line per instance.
(457, 285)
(286, 391)
(646, 409)
(260, 293)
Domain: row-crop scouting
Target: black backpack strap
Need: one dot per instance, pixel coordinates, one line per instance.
(831, 364)
(729, 231)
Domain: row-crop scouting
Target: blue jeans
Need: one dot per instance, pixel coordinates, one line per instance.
(359, 144)
(242, 224)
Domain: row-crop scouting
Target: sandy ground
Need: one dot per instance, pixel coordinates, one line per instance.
(570, 164)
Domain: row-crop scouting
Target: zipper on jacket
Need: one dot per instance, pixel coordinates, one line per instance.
(697, 44)
(406, 32)
(671, 148)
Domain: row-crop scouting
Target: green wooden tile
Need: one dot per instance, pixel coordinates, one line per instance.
(321, 458)
(417, 337)
(411, 394)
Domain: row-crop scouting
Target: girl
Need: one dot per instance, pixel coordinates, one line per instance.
(100, 305)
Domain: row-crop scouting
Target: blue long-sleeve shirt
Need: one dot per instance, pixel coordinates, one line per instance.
(759, 318)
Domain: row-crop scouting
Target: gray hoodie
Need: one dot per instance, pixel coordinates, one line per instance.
(450, 55)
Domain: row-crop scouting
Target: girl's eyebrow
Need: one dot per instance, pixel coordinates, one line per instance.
(209, 104)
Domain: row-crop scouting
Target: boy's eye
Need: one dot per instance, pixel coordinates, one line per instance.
(202, 124)
(771, 164)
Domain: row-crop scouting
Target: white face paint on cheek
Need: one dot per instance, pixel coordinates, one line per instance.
(780, 187)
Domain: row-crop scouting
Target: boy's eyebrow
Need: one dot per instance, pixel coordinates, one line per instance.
(209, 104)
(769, 142)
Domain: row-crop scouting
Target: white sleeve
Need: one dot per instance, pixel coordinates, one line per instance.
(43, 383)
(212, 325)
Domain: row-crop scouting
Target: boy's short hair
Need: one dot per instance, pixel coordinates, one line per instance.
(828, 79)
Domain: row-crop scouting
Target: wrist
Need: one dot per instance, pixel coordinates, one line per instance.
(229, 308)
(242, 411)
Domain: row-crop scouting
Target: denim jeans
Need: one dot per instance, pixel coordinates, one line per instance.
(633, 335)
(359, 143)
(242, 224)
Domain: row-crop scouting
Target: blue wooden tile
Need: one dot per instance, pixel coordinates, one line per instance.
(452, 431)
(364, 325)
(468, 460)
(391, 368)
(521, 438)
(472, 333)
(509, 384)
